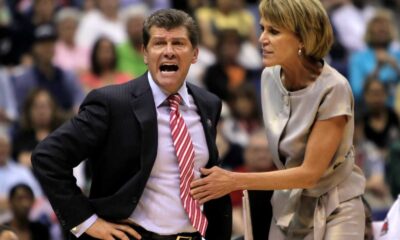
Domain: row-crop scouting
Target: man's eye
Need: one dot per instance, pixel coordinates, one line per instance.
(158, 43)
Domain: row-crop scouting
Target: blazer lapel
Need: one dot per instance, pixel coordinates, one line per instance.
(144, 109)
(207, 125)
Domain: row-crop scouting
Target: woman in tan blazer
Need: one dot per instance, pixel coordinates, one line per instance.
(308, 111)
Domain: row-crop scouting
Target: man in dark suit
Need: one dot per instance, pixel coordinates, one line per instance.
(138, 184)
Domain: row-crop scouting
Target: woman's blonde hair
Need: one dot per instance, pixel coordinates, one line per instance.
(380, 15)
(306, 18)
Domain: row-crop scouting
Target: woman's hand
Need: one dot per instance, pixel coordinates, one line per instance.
(383, 57)
(216, 183)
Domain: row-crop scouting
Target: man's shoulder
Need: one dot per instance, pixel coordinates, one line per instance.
(203, 93)
(129, 88)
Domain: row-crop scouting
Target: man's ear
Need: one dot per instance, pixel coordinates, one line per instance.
(144, 51)
(195, 55)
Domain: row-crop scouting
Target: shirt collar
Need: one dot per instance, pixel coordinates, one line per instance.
(160, 96)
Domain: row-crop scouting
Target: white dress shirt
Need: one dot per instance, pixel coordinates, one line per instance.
(160, 209)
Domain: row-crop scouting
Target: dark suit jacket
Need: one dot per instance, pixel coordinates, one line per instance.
(116, 129)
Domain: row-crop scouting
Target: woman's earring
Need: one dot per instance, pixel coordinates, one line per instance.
(300, 52)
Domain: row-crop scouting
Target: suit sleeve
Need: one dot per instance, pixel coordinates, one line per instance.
(55, 157)
(218, 211)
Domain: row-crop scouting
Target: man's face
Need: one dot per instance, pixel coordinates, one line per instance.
(169, 55)
(21, 203)
(44, 51)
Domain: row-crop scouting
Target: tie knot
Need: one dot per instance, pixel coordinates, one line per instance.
(174, 101)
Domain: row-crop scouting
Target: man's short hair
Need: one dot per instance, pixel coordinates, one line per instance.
(306, 18)
(169, 19)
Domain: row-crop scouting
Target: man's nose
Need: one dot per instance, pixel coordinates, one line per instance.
(169, 51)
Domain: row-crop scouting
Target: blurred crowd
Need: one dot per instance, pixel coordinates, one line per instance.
(53, 52)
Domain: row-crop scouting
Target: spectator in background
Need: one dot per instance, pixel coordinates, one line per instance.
(12, 173)
(393, 169)
(68, 55)
(103, 70)
(88, 5)
(226, 74)
(189, 6)
(40, 116)
(379, 60)
(246, 117)
(102, 21)
(230, 154)
(350, 20)
(153, 4)
(372, 161)
(63, 85)
(21, 200)
(381, 123)
(8, 107)
(6, 36)
(227, 14)
(130, 56)
(257, 158)
(24, 25)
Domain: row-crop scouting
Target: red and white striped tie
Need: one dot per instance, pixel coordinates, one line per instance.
(185, 153)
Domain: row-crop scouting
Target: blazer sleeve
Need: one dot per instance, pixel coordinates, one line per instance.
(55, 157)
(218, 211)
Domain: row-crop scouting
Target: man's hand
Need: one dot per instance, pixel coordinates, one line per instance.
(102, 229)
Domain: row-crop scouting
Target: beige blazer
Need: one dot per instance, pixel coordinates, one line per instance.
(288, 118)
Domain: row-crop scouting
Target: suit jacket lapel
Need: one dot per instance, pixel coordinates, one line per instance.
(202, 104)
(144, 109)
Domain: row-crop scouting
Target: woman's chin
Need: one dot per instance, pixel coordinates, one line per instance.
(268, 63)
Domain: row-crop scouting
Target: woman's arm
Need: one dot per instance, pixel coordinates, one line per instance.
(322, 144)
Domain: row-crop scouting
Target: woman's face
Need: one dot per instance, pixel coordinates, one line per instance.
(375, 96)
(380, 32)
(41, 111)
(279, 46)
(105, 53)
(67, 29)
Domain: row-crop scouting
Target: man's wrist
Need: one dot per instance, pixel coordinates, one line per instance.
(81, 228)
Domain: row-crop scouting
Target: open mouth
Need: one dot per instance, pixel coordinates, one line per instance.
(169, 68)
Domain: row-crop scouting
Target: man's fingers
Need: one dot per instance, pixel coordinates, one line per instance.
(129, 230)
(120, 234)
(109, 237)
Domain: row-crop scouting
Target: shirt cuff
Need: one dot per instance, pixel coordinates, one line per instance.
(81, 228)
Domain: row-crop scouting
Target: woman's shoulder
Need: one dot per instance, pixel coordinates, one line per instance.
(330, 77)
(269, 72)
